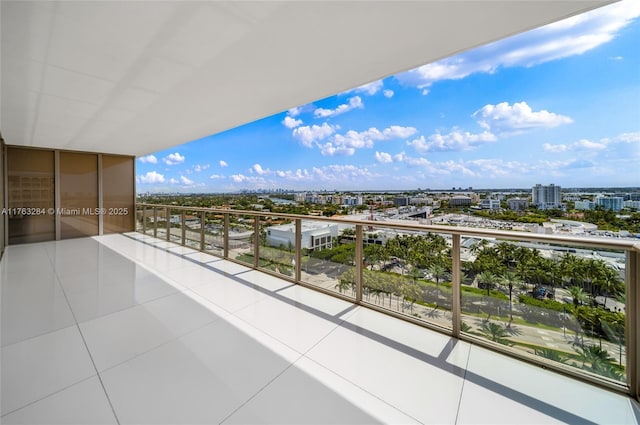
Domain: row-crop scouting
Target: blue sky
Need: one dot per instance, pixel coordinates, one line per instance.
(559, 104)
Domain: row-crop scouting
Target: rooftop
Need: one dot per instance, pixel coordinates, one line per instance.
(131, 329)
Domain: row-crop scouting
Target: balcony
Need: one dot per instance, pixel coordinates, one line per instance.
(135, 328)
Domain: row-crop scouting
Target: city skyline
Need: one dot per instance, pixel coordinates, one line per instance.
(559, 104)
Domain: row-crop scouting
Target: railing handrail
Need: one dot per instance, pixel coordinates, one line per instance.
(631, 248)
(591, 242)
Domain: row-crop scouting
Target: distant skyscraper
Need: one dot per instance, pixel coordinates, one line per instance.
(546, 197)
(614, 203)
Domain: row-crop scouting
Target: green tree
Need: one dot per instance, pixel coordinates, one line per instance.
(509, 279)
(488, 279)
(495, 332)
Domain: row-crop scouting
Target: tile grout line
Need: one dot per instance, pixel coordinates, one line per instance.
(464, 380)
(261, 389)
(104, 389)
(352, 313)
(169, 341)
(363, 389)
(284, 370)
(46, 396)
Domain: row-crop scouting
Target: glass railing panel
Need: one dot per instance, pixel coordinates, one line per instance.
(408, 273)
(277, 245)
(241, 246)
(140, 217)
(562, 304)
(161, 222)
(175, 225)
(327, 258)
(214, 234)
(192, 225)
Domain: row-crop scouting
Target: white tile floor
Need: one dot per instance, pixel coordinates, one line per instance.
(126, 329)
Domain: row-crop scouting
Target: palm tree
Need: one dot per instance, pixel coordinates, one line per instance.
(571, 269)
(496, 333)
(478, 246)
(464, 327)
(437, 269)
(412, 292)
(374, 254)
(550, 354)
(598, 360)
(342, 285)
(487, 278)
(509, 279)
(577, 294)
(609, 283)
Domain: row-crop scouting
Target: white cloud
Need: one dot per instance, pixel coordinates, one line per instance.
(519, 116)
(173, 181)
(388, 93)
(585, 145)
(185, 181)
(257, 168)
(351, 140)
(310, 134)
(569, 37)
(198, 168)
(149, 159)
(152, 177)
(369, 89)
(223, 164)
(290, 122)
(456, 140)
(329, 149)
(383, 158)
(555, 148)
(346, 144)
(294, 112)
(411, 161)
(329, 174)
(353, 103)
(256, 181)
(629, 137)
(173, 159)
(216, 176)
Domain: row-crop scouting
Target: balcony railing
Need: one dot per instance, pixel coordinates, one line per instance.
(566, 303)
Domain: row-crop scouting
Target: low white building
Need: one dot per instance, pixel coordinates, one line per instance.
(315, 235)
(585, 205)
(490, 204)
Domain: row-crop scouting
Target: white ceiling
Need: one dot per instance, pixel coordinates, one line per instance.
(134, 77)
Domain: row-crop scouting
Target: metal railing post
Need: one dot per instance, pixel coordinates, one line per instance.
(168, 222)
(633, 322)
(298, 254)
(359, 259)
(225, 237)
(183, 220)
(144, 220)
(455, 285)
(155, 222)
(202, 218)
(256, 241)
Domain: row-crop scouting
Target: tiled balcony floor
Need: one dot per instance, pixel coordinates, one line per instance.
(115, 330)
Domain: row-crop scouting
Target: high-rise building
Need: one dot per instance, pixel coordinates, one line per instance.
(613, 203)
(546, 197)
